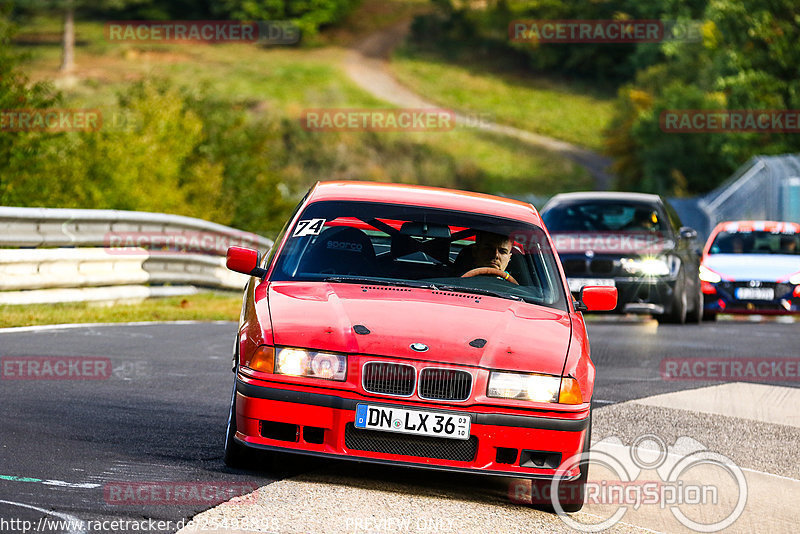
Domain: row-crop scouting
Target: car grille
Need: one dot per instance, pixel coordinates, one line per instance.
(388, 378)
(572, 267)
(575, 267)
(782, 290)
(444, 384)
(457, 450)
(602, 266)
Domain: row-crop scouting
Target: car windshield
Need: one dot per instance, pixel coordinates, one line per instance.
(597, 216)
(393, 244)
(755, 242)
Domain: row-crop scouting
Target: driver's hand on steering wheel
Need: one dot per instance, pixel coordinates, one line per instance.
(491, 255)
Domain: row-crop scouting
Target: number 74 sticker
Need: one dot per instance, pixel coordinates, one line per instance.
(308, 227)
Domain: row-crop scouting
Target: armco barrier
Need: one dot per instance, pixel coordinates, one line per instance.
(93, 294)
(69, 267)
(81, 255)
(55, 227)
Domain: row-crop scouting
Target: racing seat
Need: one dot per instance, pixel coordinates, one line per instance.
(341, 250)
(403, 245)
(518, 269)
(464, 260)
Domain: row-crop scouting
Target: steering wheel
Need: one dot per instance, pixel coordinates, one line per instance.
(490, 271)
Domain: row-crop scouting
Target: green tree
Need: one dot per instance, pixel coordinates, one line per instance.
(748, 59)
(18, 149)
(69, 8)
(309, 15)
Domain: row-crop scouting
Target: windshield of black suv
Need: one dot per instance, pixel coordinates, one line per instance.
(368, 242)
(604, 216)
(755, 242)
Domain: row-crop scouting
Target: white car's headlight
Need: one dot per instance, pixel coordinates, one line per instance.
(707, 275)
(795, 279)
(539, 388)
(302, 362)
(645, 266)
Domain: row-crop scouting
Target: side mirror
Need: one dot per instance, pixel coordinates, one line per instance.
(597, 298)
(245, 261)
(688, 233)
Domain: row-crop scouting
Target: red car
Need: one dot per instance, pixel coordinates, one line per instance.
(414, 326)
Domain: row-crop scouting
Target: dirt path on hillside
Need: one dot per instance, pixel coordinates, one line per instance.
(367, 65)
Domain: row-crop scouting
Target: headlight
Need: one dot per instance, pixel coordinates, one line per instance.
(795, 279)
(645, 266)
(302, 362)
(539, 388)
(707, 275)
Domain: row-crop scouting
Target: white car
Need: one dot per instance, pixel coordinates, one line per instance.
(752, 267)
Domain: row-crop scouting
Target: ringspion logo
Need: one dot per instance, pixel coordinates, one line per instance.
(624, 479)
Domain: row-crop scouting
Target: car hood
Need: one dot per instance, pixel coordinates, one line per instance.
(619, 243)
(763, 267)
(519, 336)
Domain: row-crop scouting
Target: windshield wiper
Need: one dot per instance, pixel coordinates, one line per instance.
(478, 291)
(378, 281)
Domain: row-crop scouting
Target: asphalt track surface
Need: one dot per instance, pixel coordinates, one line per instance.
(160, 416)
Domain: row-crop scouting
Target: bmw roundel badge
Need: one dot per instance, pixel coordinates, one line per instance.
(419, 347)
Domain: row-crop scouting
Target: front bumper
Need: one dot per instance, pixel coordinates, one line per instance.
(271, 416)
(721, 298)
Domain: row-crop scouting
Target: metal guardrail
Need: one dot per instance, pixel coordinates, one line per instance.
(63, 255)
(57, 227)
(766, 187)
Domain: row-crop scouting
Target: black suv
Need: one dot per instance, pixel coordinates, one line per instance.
(632, 241)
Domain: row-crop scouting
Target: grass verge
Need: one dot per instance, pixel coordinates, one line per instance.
(284, 82)
(536, 104)
(210, 306)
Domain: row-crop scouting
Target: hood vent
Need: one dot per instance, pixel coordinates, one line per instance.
(385, 288)
(477, 298)
(361, 329)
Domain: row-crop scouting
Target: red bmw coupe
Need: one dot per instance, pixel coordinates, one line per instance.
(415, 326)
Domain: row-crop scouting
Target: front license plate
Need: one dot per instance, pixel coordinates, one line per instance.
(575, 284)
(755, 293)
(424, 423)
